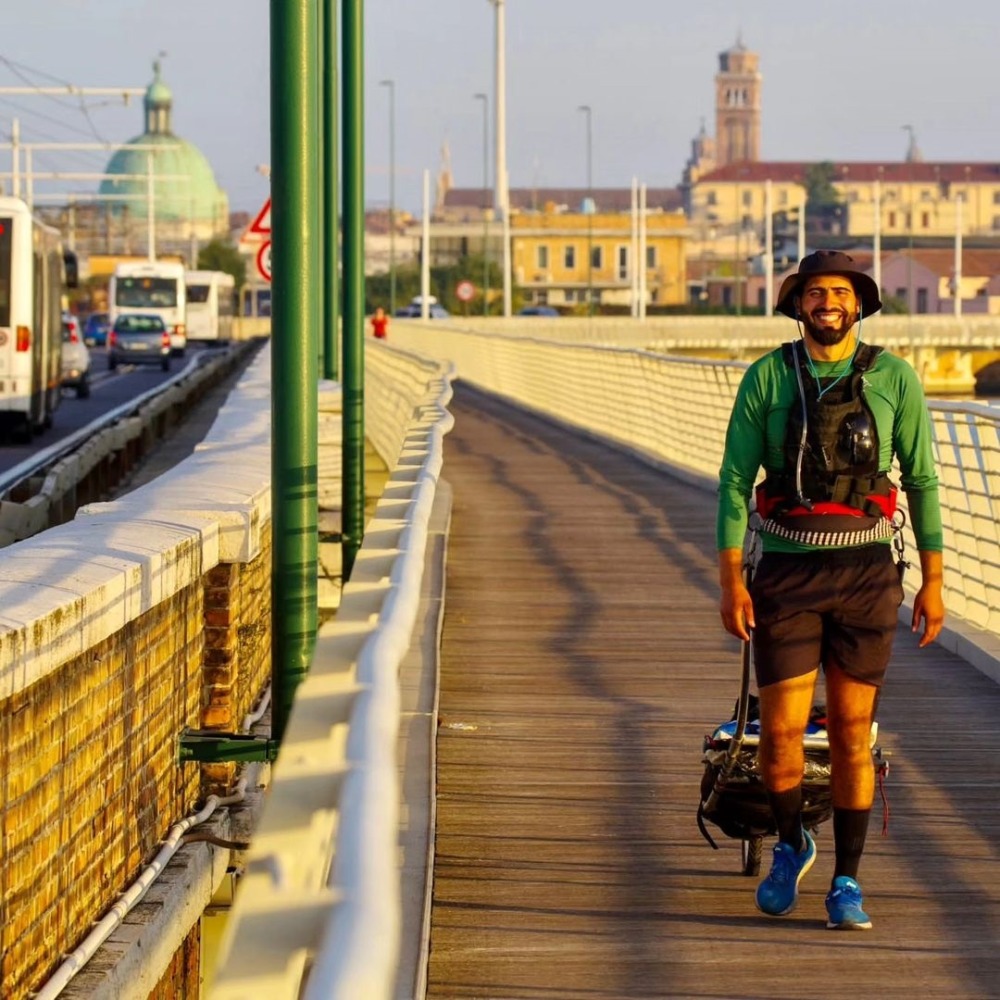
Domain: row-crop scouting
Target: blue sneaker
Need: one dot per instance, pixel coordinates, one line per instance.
(844, 906)
(776, 895)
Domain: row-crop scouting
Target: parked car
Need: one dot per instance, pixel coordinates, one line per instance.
(434, 309)
(538, 311)
(71, 323)
(139, 339)
(95, 330)
(75, 360)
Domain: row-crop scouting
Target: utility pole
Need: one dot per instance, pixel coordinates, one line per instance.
(958, 254)
(151, 210)
(643, 275)
(15, 158)
(877, 236)
(502, 189)
(585, 108)
(634, 251)
(486, 208)
(910, 155)
(391, 84)
(768, 251)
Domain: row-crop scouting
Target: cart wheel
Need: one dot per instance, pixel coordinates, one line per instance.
(752, 850)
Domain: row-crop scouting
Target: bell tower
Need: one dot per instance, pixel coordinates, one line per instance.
(737, 106)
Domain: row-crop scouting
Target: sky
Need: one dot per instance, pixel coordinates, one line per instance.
(840, 80)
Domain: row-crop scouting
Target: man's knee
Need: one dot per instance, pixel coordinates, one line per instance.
(850, 738)
(780, 755)
(781, 734)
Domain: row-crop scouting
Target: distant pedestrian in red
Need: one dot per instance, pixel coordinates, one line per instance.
(380, 324)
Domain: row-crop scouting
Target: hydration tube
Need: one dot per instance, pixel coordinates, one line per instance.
(800, 498)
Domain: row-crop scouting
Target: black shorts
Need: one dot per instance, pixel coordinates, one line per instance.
(813, 607)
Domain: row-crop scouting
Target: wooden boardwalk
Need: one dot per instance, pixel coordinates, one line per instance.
(582, 663)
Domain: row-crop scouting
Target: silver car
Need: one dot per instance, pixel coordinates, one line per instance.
(139, 339)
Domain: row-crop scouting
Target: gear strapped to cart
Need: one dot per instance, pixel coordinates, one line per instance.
(733, 796)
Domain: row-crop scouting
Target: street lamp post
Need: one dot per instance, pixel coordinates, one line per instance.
(909, 220)
(502, 200)
(959, 199)
(877, 231)
(486, 208)
(585, 108)
(391, 84)
(737, 264)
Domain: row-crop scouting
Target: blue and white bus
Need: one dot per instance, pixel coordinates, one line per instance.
(33, 275)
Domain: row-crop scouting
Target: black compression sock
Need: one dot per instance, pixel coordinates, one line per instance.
(787, 810)
(849, 829)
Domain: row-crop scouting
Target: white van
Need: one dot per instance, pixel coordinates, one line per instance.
(210, 305)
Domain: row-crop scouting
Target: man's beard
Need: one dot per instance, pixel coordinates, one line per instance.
(828, 336)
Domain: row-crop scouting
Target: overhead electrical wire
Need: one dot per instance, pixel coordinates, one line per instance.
(75, 104)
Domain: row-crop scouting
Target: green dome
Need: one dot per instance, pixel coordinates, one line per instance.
(184, 185)
(175, 198)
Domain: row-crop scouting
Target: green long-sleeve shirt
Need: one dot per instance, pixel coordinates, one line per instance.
(756, 437)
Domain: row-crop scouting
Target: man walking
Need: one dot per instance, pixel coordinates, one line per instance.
(824, 416)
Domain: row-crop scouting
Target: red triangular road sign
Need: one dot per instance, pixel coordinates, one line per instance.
(262, 224)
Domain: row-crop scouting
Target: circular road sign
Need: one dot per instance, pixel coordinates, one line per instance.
(264, 260)
(465, 291)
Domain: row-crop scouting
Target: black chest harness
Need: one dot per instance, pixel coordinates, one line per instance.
(830, 490)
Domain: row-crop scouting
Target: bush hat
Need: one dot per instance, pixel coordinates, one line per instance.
(829, 262)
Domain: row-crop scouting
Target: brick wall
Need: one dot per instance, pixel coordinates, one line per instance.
(91, 781)
(182, 978)
(237, 603)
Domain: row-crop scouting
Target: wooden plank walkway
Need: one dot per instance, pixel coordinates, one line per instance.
(582, 663)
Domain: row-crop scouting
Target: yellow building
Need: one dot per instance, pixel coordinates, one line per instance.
(559, 256)
(909, 199)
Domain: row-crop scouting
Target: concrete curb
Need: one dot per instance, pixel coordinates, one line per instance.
(417, 754)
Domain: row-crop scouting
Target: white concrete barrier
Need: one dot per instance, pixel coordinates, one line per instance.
(318, 912)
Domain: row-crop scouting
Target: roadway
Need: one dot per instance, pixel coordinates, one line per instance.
(109, 390)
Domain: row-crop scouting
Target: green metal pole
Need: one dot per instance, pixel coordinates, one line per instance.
(331, 192)
(353, 378)
(294, 343)
(319, 161)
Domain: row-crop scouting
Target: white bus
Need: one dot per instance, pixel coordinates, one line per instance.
(153, 287)
(210, 305)
(33, 273)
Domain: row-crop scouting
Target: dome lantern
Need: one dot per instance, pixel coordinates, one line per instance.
(186, 194)
(158, 103)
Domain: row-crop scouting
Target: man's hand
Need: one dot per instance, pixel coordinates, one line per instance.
(928, 605)
(735, 606)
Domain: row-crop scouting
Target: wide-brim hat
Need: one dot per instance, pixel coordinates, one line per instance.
(829, 262)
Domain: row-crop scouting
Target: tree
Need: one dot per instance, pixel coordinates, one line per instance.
(825, 212)
(221, 256)
(893, 304)
(821, 195)
(444, 279)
